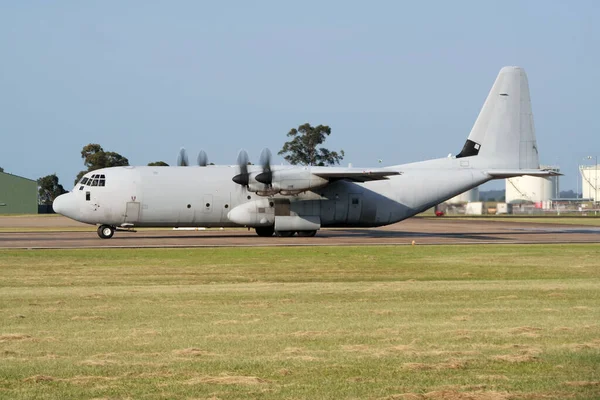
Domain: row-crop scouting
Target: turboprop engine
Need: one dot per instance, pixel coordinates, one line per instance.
(291, 181)
(247, 179)
(268, 182)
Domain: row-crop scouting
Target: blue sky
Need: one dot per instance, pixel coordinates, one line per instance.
(398, 81)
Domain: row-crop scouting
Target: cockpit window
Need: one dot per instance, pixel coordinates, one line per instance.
(95, 180)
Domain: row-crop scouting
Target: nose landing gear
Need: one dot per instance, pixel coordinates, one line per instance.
(106, 231)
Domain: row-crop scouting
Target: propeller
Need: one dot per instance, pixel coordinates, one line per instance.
(243, 177)
(182, 158)
(265, 177)
(202, 158)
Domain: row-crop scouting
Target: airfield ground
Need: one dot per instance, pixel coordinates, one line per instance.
(490, 321)
(60, 232)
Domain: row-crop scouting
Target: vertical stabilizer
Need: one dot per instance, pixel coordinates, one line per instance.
(504, 135)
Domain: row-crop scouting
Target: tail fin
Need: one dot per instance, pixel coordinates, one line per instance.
(503, 136)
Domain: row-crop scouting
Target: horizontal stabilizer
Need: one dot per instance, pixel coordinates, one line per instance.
(509, 173)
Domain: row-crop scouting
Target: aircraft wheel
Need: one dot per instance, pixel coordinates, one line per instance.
(285, 233)
(265, 231)
(307, 233)
(106, 231)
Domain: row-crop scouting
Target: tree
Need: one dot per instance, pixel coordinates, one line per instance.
(1, 169)
(158, 164)
(94, 157)
(49, 189)
(304, 148)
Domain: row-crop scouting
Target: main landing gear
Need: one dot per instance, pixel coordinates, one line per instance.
(268, 231)
(307, 233)
(106, 231)
(265, 231)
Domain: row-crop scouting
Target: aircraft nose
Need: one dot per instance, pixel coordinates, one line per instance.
(65, 205)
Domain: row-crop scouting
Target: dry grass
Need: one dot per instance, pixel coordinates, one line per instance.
(13, 337)
(226, 380)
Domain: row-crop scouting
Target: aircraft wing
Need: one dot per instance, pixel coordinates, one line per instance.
(294, 180)
(354, 174)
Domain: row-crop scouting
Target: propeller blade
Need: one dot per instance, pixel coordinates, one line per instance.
(182, 159)
(243, 160)
(266, 177)
(202, 159)
(265, 158)
(242, 178)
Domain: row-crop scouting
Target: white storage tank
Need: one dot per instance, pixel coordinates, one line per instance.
(590, 179)
(467, 197)
(533, 189)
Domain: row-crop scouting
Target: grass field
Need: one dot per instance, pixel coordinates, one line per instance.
(430, 322)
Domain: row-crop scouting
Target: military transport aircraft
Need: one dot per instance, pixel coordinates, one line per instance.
(288, 200)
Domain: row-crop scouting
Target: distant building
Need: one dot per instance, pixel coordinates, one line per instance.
(590, 181)
(18, 195)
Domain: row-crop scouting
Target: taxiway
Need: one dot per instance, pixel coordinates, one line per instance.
(56, 232)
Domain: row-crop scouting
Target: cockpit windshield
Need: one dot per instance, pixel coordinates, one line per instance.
(94, 180)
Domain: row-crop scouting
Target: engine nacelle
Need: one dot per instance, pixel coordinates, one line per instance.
(295, 180)
(261, 189)
(254, 213)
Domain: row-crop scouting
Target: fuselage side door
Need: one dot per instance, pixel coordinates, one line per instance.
(132, 212)
(225, 207)
(354, 207)
(341, 208)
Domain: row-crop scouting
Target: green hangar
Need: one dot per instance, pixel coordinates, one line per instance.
(17, 195)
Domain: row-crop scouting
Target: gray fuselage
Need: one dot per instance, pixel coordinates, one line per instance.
(204, 196)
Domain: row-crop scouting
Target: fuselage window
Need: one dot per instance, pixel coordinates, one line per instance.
(81, 187)
(101, 182)
(87, 196)
(95, 182)
(84, 181)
